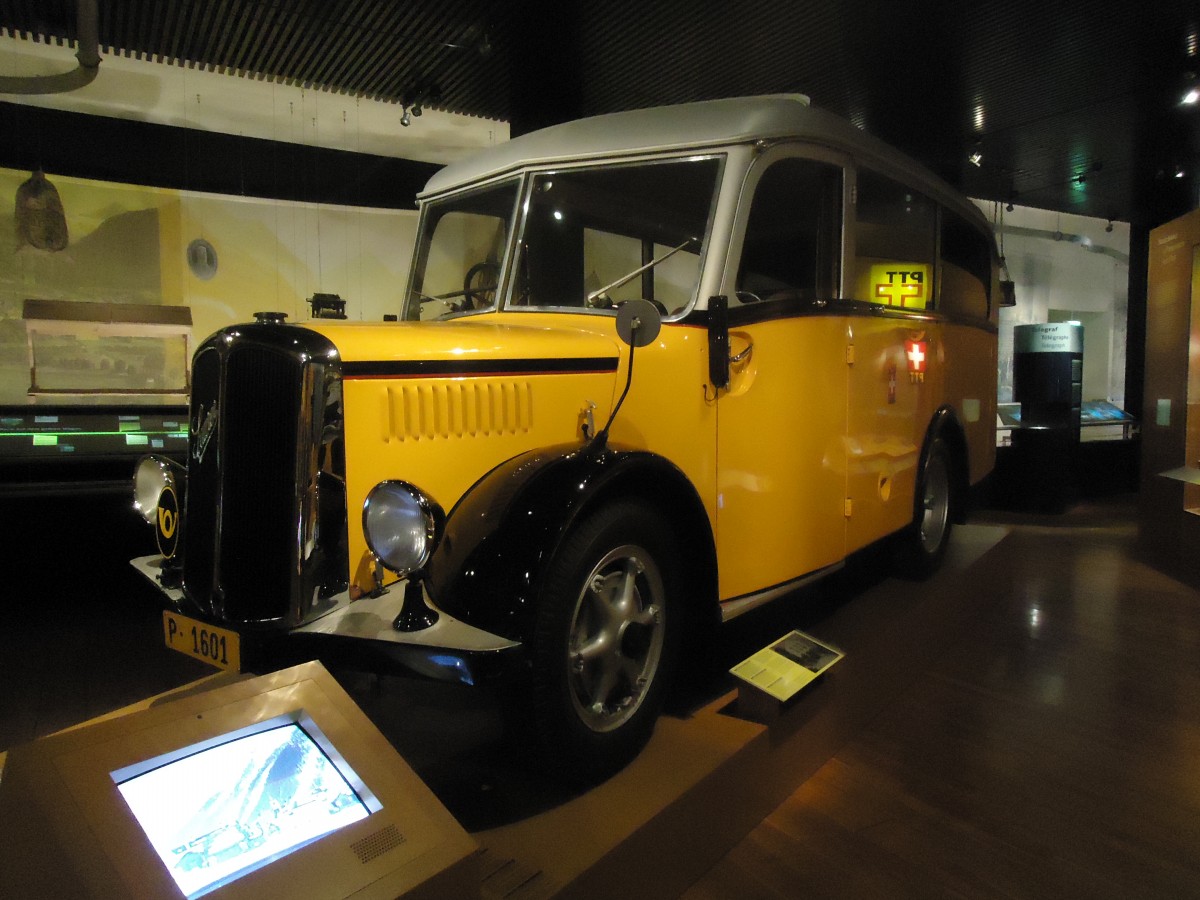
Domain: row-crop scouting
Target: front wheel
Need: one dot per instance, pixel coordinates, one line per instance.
(605, 642)
(924, 543)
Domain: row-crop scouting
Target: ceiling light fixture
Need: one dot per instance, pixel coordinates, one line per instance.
(1191, 97)
(975, 159)
(410, 113)
(414, 103)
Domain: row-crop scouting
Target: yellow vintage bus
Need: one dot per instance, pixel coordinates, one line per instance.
(653, 369)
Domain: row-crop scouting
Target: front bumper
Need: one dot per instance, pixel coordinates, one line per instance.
(359, 634)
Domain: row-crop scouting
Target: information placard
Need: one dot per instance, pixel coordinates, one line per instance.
(782, 668)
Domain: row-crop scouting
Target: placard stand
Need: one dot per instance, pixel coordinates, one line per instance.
(773, 677)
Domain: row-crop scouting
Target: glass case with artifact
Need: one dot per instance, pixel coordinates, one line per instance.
(90, 350)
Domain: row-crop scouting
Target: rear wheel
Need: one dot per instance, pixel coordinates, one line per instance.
(923, 544)
(606, 641)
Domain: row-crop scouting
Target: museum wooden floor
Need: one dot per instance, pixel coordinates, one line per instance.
(1051, 750)
(1042, 739)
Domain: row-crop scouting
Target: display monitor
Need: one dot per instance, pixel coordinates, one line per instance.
(240, 801)
(250, 789)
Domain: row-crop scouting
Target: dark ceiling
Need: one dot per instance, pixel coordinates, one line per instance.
(1073, 106)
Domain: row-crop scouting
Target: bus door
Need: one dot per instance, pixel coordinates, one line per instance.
(895, 376)
(781, 425)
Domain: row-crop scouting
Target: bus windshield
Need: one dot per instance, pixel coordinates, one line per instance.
(595, 237)
(459, 252)
(589, 239)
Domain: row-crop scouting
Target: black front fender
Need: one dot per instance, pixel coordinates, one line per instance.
(502, 533)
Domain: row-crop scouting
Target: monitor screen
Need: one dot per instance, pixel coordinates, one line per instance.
(218, 810)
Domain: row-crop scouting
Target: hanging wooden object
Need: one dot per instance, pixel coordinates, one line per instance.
(41, 222)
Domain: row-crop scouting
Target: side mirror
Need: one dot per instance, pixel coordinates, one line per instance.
(638, 324)
(718, 341)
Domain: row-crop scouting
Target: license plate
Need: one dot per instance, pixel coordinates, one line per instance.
(215, 646)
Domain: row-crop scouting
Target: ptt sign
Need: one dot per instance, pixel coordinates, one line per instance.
(900, 284)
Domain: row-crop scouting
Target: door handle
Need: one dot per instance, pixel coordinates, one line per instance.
(743, 355)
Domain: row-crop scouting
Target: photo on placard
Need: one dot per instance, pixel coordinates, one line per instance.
(806, 652)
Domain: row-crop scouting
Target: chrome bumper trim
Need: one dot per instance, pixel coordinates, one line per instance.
(370, 618)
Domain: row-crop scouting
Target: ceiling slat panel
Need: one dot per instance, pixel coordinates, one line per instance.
(1045, 89)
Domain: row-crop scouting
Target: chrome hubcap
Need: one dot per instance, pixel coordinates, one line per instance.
(616, 638)
(935, 504)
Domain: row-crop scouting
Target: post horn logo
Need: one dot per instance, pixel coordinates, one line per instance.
(168, 523)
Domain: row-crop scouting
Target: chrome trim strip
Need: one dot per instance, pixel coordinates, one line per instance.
(150, 566)
(369, 618)
(731, 609)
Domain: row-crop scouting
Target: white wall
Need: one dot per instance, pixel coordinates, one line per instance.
(1067, 267)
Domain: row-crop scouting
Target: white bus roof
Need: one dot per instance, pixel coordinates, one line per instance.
(689, 126)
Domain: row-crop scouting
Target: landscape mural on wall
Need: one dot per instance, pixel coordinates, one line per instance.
(133, 247)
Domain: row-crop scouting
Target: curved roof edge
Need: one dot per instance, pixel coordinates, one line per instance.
(707, 123)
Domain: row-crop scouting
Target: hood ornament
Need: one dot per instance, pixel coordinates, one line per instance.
(204, 431)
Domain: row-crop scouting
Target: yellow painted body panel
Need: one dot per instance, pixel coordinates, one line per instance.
(444, 433)
(782, 462)
(890, 410)
(810, 455)
(970, 388)
(821, 432)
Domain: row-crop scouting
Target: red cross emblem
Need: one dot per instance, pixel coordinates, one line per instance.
(917, 353)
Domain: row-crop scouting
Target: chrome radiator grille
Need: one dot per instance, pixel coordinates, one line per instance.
(265, 520)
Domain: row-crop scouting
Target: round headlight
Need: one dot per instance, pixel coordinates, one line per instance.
(151, 477)
(402, 525)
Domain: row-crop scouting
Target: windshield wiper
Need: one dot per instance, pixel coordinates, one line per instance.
(425, 298)
(625, 279)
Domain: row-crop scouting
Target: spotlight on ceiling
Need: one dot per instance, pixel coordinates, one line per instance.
(976, 158)
(406, 119)
(1108, 228)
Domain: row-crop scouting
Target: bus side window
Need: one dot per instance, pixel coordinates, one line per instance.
(895, 244)
(793, 234)
(966, 267)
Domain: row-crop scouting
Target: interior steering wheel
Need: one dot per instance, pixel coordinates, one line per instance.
(479, 285)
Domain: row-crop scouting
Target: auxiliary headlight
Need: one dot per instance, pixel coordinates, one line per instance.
(151, 477)
(402, 525)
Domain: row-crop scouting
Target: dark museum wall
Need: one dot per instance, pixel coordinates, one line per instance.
(122, 150)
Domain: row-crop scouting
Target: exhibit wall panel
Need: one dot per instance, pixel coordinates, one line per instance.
(1168, 527)
(222, 257)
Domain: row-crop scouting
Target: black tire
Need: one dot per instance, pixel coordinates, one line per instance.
(606, 641)
(923, 544)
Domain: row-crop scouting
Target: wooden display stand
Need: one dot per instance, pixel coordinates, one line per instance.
(254, 818)
(1169, 515)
